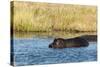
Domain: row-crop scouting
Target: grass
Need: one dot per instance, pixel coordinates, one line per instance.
(46, 17)
(54, 34)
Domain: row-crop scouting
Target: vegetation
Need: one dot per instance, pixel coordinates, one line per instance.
(54, 34)
(40, 17)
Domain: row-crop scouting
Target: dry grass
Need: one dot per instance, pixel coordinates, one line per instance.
(29, 16)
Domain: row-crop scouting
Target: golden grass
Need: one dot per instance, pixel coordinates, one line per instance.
(32, 16)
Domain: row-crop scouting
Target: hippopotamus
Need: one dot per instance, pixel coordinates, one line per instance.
(69, 43)
(90, 38)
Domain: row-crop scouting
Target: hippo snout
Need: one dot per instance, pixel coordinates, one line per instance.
(50, 46)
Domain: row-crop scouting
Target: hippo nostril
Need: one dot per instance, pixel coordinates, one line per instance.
(50, 46)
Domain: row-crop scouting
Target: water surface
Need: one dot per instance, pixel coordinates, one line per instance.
(34, 50)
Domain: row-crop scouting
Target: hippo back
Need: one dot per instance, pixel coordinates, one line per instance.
(76, 42)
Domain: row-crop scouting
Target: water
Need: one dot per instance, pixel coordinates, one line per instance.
(34, 51)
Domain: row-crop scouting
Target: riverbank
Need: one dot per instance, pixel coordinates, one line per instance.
(51, 34)
(46, 17)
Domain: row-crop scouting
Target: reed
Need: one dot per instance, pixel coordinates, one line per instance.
(33, 17)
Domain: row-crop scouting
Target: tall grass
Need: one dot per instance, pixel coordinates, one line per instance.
(29, 16)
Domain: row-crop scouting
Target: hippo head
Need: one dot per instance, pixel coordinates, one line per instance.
(57, 43)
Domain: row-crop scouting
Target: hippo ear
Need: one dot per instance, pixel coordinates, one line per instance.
(55, 39)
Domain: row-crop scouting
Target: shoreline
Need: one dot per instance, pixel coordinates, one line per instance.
(51, 34)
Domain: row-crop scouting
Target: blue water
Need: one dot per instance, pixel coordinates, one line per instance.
(29, 51)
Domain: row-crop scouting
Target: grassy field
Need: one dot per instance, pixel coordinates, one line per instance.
(46, 17)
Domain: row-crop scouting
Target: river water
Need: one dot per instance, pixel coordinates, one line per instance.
(35, 51)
